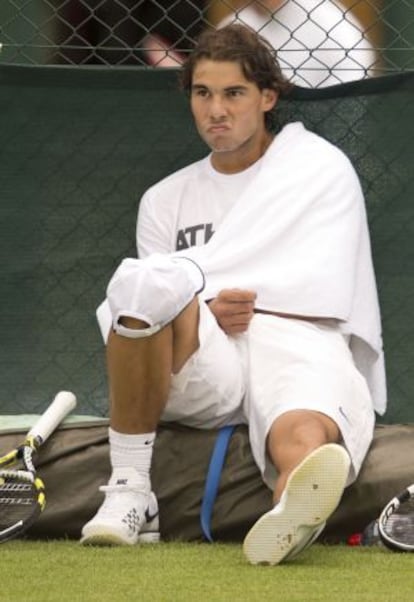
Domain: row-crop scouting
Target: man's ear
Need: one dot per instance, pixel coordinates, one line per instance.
(270, 98)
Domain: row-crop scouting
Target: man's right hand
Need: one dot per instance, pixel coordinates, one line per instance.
(233, 309)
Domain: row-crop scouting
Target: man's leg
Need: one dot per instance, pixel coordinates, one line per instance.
(139, 373)
(139, 370)
(292, 437)
(313, 471)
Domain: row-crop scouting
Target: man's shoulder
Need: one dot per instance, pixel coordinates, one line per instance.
(310, 149)
(298, 136)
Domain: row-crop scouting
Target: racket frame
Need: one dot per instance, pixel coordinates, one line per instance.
(62, 404)
(389, 510)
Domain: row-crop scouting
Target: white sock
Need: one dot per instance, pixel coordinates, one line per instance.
(131, 456)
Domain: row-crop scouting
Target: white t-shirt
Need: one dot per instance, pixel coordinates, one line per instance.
(184, 209)
(292, 227)
(318, 43)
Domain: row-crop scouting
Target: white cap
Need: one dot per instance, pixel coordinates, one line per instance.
(154, 290)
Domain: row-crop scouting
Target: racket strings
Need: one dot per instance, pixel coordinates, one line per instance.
(15, 493)
(18, 501)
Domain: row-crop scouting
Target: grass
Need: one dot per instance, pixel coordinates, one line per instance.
(63, 571)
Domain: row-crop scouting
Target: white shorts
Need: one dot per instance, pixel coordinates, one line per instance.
(209, 389)
(279, 365)
(298, 364)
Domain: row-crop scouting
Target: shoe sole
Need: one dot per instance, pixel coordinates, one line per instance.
(105, 539)
(108, 538)
(312, 493)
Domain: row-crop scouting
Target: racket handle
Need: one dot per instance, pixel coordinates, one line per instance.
(63, 403)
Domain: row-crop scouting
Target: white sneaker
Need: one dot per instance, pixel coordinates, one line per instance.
(313, 491)
(127, 516)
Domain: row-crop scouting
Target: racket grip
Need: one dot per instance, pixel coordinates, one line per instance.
(63, 403)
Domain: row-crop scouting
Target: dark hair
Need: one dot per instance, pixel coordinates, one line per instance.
(240, 44)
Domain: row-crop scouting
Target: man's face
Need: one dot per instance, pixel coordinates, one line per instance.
(228, 109)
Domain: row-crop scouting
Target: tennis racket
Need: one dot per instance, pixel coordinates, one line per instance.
(396, 522)
(22, 492)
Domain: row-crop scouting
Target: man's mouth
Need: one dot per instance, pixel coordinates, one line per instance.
(218, 128)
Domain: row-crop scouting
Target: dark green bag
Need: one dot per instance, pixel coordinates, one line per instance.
(75, 461)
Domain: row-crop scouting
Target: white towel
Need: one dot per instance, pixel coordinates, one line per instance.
(298, 236)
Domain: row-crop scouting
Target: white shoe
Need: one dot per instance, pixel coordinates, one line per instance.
(128, 515)
(313, 491)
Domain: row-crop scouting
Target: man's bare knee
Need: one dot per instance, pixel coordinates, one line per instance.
(306, 426)
(293, 436)
(132, 323)
(297, 433)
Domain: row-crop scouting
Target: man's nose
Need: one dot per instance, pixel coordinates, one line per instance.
(217, 107)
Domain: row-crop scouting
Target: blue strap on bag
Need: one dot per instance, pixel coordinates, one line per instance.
(213, 479)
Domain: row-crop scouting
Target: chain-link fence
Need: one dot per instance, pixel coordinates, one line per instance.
(318, 42)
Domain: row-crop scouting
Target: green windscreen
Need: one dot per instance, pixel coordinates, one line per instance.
(79, 146)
